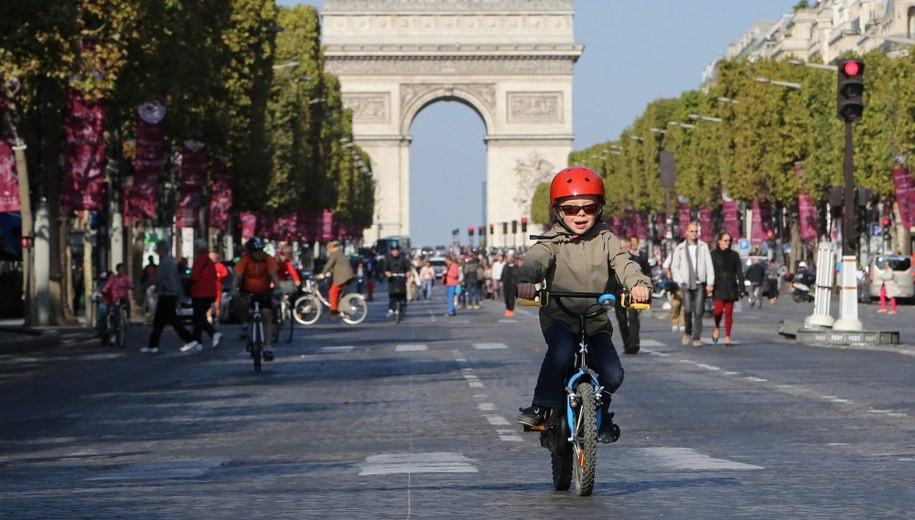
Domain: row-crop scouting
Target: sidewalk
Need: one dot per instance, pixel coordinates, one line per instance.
(15, 338)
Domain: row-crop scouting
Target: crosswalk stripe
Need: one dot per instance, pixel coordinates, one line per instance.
(690, 459)
(651, 343)
(411, 347)
(490, 346)
(332, 350)
(396, 463)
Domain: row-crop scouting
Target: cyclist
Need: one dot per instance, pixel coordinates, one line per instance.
(338, 265)
(397, 290)
(286, 271)
(581, 254)
(118, 287)
(256, 272)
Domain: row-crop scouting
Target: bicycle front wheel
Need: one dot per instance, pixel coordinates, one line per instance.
(288, 322)
(584, 445)
(307, 309)
(353, 308)
(257, 345)
(121, 337)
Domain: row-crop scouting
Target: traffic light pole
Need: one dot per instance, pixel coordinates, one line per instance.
(848, 297)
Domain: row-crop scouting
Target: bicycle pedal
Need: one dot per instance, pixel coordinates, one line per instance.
(534, 428)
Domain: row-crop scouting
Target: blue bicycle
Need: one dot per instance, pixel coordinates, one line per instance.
(570, 432)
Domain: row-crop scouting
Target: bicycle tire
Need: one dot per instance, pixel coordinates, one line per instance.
(353, 308)
(307, 309)
(288, 322)
(561, 459)
(584, 445)
(398, 311)
(257, 345)
(105, 333)
(121, 336)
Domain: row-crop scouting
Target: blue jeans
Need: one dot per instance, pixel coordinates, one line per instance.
(427, 289)
(449, 294)
(693, 310)
(562, 344)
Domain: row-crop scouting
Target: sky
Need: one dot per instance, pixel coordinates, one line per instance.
(636, 51)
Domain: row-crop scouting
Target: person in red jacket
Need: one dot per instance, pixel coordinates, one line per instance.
(203, 292)
(222, 272)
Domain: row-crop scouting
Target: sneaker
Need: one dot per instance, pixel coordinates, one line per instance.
(532, 416)
(150, 350)
(268, 354)
(609, 432)
(674, 328)
(192, 345)
(509, 314)
(685, 340)
(216, 339)
(390, 312)
(697, 343)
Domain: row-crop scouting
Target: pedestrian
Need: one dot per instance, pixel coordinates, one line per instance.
(168, 287)
(204, 280)
(728, 286)
(628, 319)
(149, 294)
(222, 272)
(398, 286)
(693, 271)
(888, 288)
(496, 274)
(674, 297)
(578, 254)
(451, 279)
(339, 268)
(79, 287)
(773, 274)
(507, 280)
(756, 275)
(472, 278)
(427, 277)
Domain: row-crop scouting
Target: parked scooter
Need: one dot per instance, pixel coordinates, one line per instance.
(801, 286)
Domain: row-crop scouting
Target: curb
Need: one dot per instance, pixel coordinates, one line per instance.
(18, 340)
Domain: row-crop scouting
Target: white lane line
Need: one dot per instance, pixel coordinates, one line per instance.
(335, 350)
(756, 379)
(690, 459)
(496, 420)
(508, 436)
(654, 353)
(490, 346)
(411, 347)
(396, 463)
(651, 343)
(487, 407)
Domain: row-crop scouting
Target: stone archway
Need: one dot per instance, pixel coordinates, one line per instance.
(511, 61)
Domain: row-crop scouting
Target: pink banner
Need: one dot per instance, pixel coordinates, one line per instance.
(761, 226)
(327, 225)
(248, 224)
(706, 231)
(684, 214)
(84, 153)
(193, 177)
(807, 217)
(731, 222)
(9, 180)
(220, 196)
(149, 161)
(905, 195)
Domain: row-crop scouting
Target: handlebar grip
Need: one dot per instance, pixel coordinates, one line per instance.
(639, 306)
(529, 303)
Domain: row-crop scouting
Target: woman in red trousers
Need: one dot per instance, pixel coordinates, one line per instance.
(728, 285)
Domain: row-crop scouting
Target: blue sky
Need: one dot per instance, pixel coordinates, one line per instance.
(636, 51)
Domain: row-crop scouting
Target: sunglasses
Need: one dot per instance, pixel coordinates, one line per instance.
(570, 210)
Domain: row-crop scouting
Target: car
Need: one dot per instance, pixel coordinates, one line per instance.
(902, 275)
(438, 264)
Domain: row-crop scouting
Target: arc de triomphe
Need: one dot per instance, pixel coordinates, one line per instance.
(510, 61)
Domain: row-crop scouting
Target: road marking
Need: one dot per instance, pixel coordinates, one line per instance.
(756, 379)
(496, 420)
(690, 459)
(651, 343)
(490, 346)
(397, 463)
(411, 347)
(508, 436)
(334, 350)
(486, 407)
(654, 353)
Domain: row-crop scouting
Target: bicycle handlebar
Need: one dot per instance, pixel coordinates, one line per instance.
(604, 299)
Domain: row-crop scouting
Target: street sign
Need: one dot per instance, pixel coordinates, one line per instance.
(875, 229)
(743, 244)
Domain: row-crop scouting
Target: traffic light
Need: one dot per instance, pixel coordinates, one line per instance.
(514, 227)
(505, 228)
(480, 230)
(26, 242)
(524, 224)
(492, 229)
(850, 101)
(470, 231)
(886, 225)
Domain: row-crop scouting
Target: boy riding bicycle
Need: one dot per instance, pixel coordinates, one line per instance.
(579, 254)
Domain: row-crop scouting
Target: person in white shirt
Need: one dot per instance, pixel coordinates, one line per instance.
(496, 275)
(692, 269)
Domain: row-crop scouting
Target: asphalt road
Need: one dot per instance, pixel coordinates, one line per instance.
(417, 421)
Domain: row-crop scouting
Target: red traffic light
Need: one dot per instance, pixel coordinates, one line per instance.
(886, 221)
(524, 220)
(26, 242)
(851, 68)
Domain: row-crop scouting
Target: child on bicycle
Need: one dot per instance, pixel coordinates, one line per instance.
(578, 254)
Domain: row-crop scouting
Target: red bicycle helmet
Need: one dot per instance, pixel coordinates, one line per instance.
(575, 181)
